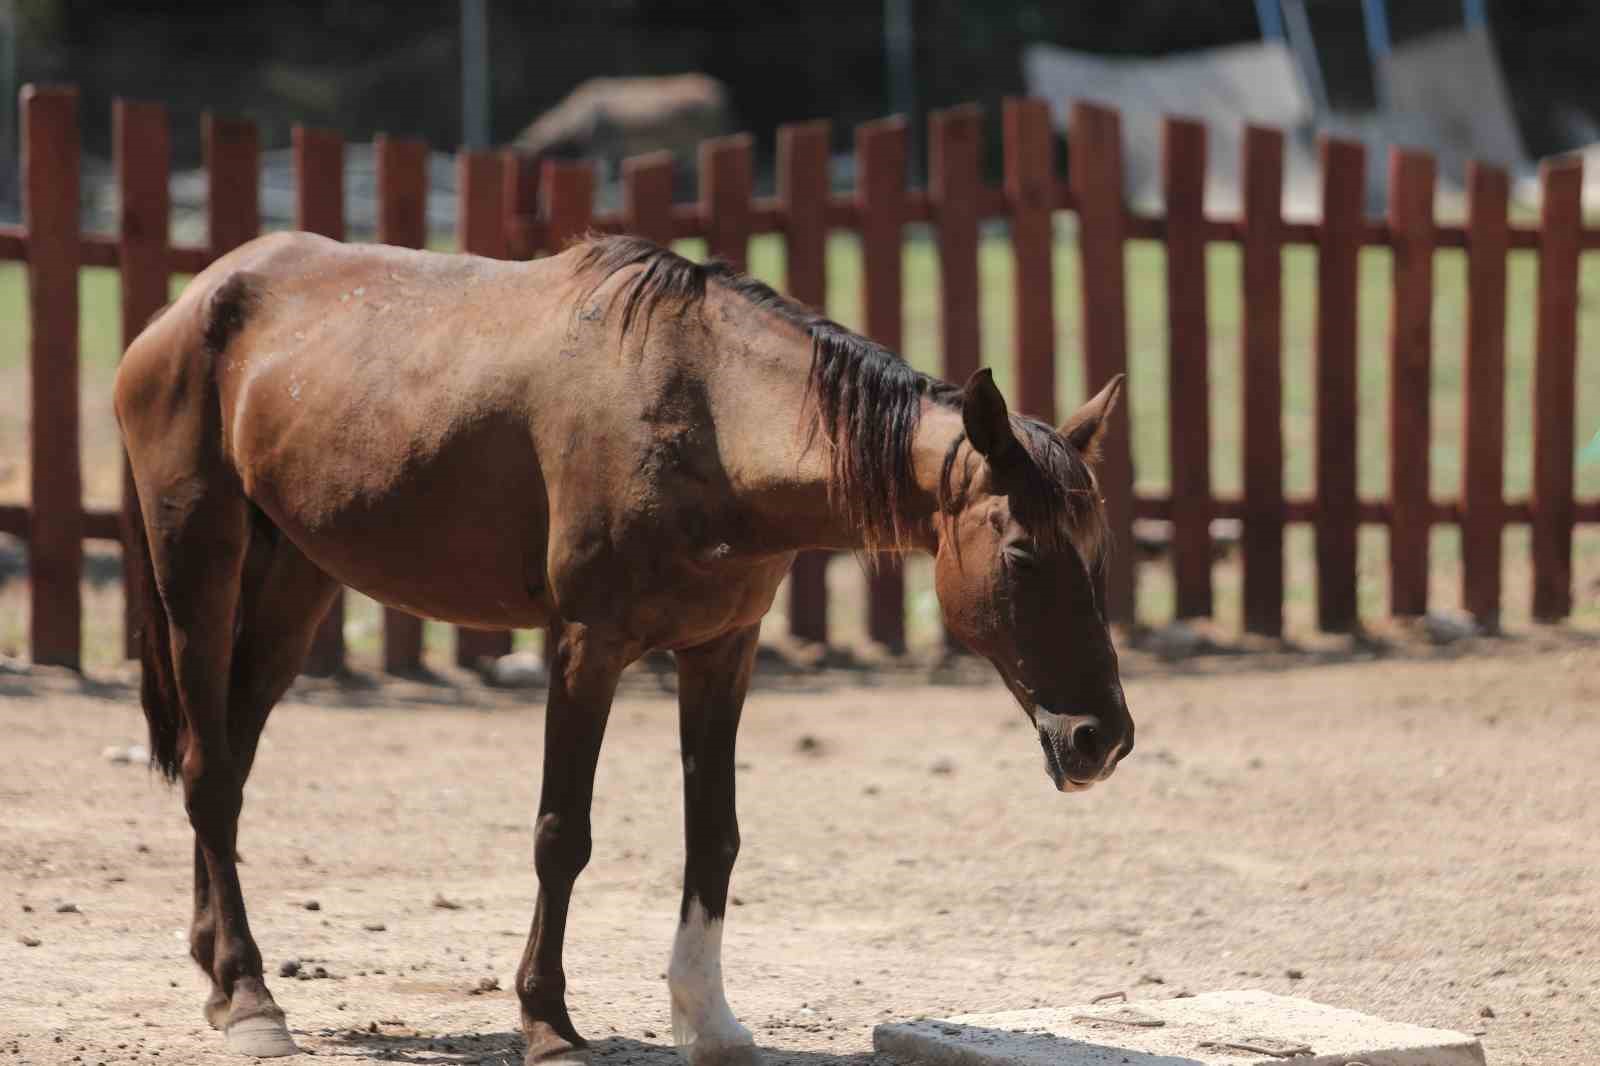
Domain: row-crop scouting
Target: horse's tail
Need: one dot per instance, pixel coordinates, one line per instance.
(158, 686)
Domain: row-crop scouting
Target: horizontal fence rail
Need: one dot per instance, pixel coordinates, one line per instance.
(511, 207)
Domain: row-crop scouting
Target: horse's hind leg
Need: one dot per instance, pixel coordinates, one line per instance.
(282, 598)
(712, 681)
(199, 531)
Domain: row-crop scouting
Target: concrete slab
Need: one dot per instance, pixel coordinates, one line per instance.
(1214, 1029)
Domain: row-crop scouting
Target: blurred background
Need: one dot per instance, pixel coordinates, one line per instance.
(482, 72)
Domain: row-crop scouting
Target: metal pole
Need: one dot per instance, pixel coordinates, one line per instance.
(1298, 24)
(10, 158)
(899, 48)
(1271, 19)
(1375, 14)
(475, 73)
(1474, 12)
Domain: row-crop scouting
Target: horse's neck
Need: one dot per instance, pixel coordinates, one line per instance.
(781, 470)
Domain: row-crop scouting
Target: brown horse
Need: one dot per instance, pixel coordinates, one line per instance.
(615, 443)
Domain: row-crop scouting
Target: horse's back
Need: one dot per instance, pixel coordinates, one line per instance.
(373, 404)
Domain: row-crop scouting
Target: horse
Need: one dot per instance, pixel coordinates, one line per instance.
(615, 443)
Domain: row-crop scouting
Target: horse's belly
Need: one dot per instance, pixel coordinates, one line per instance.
(456, 532)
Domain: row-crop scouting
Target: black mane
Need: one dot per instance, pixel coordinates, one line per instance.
(867, 402)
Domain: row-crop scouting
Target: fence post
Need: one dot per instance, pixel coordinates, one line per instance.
(1343, 191)
(142, 147)
(725, 194)
(233, 176)
(803, 194)
(480, 230)
(521, 175)
(954, 139)
(569, 201)
(647, 196)
(319, 208)
(1484, 394)
(55, 513)
(1555, 386)
(1096, 174)
(1411, 179)
(1188, 346)
(1261, 276)
(402, 177)
(1030, 194)
(480, 200)
(881, 195)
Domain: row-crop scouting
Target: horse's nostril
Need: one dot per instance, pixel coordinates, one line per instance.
(1085, 741)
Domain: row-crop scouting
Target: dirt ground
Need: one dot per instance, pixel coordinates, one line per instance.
(1415, 835)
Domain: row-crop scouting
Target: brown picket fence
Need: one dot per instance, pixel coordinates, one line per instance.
(508, 207)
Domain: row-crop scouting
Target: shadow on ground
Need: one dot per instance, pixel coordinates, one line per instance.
(836, 669)
(505, 1049)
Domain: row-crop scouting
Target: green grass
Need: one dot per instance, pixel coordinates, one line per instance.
(1147, 356)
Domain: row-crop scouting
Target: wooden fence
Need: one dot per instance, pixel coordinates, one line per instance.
(509, 208)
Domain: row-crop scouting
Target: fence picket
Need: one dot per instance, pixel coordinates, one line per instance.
(569, 201)
(1188, 347)
(233, 181)
(803, 196)
(647, 196)
(402, 175)
(519, 199)
(1411, 181)
(954, 139)
(50, 163)
(1555, 386)
(881, 196)
(319, 208)
(725, 197)
(1343, 191)
(481, 230)
(1261, 280)
(1031, 190)
(1483, 394)
(142, 147)
(1096, 176)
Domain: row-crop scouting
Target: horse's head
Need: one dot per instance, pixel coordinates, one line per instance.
(1019, 545)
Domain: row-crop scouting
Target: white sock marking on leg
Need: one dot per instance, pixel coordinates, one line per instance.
(700, 1014)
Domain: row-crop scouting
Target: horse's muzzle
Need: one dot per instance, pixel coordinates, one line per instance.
(1076, 750)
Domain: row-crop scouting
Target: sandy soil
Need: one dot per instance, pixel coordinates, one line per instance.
(1416, 837)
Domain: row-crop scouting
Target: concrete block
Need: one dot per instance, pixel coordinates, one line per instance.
(1214, 1029)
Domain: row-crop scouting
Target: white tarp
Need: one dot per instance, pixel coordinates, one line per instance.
(1446, 91)
(1226, 88)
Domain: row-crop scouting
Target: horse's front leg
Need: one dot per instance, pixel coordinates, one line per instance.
(582, 684)
(712, 681)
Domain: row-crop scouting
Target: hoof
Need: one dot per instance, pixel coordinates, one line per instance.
(718, 1053)
(261, 1036)
(549, 1047)
(566, 1055)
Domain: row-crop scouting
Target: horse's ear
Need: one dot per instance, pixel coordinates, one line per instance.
(1085, 428)
(986, 420)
